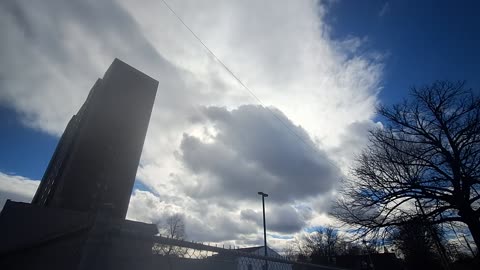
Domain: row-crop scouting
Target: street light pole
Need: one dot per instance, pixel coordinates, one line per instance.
(264, 227)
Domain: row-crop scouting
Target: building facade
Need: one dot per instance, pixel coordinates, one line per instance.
(94, 165)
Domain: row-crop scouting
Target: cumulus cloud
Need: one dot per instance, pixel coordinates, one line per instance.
(208, 150)
(213, 224)
(16, 188)
(251, 152)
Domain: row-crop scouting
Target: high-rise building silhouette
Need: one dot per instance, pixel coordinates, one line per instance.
(77, 217)
(94, 165)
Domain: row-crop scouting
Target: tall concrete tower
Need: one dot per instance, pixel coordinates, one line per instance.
(94, 165)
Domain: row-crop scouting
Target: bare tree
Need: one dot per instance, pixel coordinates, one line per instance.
(172, 227)
(321, 245)
(424, 162)
(291, 252)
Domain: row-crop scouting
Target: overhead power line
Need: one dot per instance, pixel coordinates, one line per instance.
(294, 133)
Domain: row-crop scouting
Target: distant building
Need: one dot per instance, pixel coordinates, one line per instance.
(96, 160)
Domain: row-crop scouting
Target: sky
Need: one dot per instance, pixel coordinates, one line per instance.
(319, 69)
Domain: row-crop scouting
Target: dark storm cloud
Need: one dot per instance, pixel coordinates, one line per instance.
(253, 151)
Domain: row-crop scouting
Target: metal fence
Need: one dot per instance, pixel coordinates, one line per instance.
(178, 255)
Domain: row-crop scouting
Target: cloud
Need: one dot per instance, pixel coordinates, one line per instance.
(354, 138)
(208, 149)
(281, 50)
(252, 151)
(283, 219)
(55, 51)
(16, 188)
(214, 224)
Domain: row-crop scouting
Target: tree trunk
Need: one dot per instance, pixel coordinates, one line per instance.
(473, 224)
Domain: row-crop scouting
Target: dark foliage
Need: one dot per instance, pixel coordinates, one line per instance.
(417, 242)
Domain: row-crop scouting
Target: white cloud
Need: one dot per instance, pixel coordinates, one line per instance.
(16, 188)
(326, 89)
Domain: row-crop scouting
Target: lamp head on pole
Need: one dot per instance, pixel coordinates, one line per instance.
(263, 194)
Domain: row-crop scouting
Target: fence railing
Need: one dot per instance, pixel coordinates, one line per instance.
(179, 254)
(131, 245)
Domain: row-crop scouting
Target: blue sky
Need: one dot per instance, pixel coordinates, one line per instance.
(324, 81)
(25, 151)
(424, 40)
